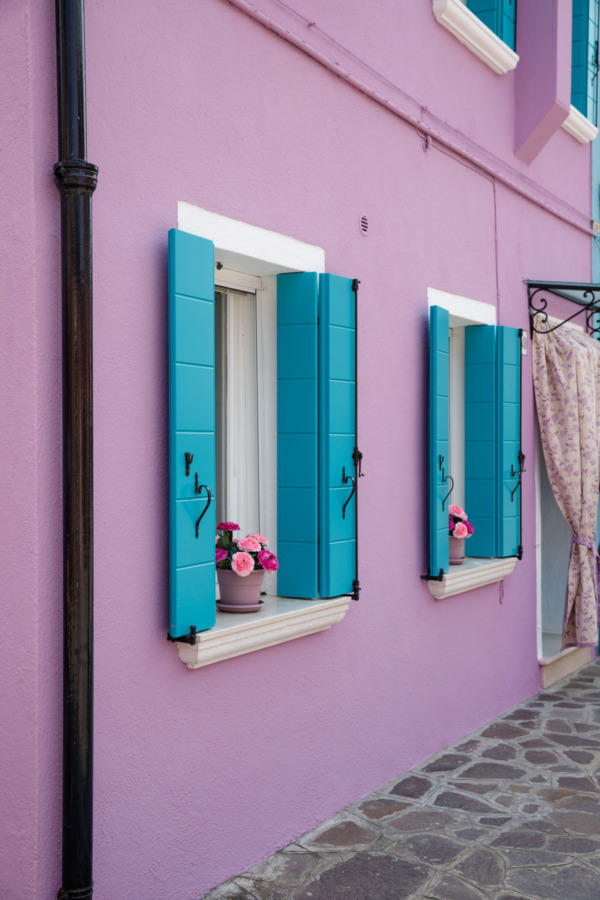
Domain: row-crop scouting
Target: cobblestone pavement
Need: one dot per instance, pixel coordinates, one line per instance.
(511, 812)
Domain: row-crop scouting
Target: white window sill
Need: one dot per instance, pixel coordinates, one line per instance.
(477, 37)
(281, 619)
(473, 573)
(579, 126)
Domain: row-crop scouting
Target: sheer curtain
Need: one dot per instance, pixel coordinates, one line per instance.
(566, 379)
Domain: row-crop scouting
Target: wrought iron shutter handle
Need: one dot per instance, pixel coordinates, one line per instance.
(345, 480)
(451, 479)
(518, 472)
(205, 510)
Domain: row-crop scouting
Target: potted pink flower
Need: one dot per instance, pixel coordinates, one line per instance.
(459, 529)
(241, 566)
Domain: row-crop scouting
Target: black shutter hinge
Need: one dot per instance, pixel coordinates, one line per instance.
(519, 552)
(186, 638)
(355, 284)
(430, 577)
(355, 590)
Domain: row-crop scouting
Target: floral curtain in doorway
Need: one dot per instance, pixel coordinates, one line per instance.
(566, 378)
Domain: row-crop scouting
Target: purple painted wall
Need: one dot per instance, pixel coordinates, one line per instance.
(543, 76)
(200, 774)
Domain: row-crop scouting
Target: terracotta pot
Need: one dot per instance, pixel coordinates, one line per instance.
(238, 590)
(457, 550)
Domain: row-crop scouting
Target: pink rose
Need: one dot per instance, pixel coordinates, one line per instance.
(457, 511)
(460, 531)
(228, 526)
(249, 543)
(220, 554)
(258, 537)
(268, 560)
(470, 528)
(242, 564)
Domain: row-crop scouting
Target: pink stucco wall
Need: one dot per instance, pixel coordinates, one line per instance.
(200, 774)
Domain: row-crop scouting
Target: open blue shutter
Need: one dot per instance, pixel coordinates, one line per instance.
(337, 435)
(499, 16)
(584, 57)
(480, 438)
(508, 417)
(439, 379)
(297, 430)
(191, 431)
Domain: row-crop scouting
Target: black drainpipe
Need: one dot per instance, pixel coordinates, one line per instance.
(76, 180)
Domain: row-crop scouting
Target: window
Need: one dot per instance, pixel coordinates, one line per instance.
(475, 430)
(582, 119)
(584, 58)
(267, 337)
(499, 16)
(485, 27)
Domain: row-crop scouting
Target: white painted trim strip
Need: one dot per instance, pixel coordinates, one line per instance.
(477, 37)
(266, 252)
(580, 127)
(472, 311)
(472, 574)
(281, 620)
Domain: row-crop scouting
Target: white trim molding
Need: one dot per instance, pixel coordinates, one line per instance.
(473, 573)
(281, 619)
(477, 37)
(249, 248)
(580, 127)
(463, 310)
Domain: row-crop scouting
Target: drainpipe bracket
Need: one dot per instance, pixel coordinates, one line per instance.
(76, 173)
(75, 893)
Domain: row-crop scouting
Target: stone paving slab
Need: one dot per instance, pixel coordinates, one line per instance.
(512, 812)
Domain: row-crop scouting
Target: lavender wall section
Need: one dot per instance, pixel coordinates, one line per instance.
(543, 76)
(200, 774)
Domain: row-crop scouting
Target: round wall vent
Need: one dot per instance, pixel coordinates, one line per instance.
(364, 224)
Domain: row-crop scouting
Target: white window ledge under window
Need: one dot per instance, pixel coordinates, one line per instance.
(473, 573)
(477, 37)
(281, 619)
(580, 127)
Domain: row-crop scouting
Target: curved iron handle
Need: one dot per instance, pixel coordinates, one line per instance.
(519, 472)
(205, 510)
(345, 480)
(447, 478)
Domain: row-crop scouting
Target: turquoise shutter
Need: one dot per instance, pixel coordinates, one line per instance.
(337, 436)
(191, 431)
(500, 16)
(297, 430)
(584, 57)
(439, 378)
(508, 418)
(480, 438)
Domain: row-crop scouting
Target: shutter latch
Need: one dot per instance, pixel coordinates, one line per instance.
(357, 459)
(186, 638)
(429, 577)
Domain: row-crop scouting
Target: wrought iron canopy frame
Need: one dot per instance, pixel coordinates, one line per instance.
(585, 296)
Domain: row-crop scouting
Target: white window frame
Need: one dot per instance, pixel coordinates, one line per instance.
(477, 37)
(253, 256)
(474, 572)
(244, 394)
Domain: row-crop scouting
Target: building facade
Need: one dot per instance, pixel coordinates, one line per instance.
(441, 155)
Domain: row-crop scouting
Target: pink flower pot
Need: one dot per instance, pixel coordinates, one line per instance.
(457, 550)
(238, 590)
